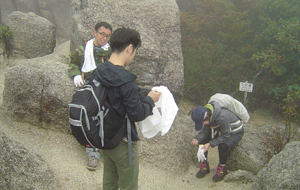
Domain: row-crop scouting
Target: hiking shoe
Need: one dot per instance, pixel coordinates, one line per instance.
(92, 163)
(204, 169)
(221, 172)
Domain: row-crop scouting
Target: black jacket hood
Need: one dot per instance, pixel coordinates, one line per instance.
(112, 76)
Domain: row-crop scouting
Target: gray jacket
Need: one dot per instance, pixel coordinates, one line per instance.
(223, 121)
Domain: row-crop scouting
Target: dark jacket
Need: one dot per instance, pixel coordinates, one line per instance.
(123, 95)
(223, 121)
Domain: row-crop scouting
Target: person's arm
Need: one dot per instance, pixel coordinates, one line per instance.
(203, 134)
(137, 109)
(75, 62)
(143, 92)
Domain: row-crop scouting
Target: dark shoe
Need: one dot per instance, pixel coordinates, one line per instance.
(204, 169)
(220, 174)
(92, 163)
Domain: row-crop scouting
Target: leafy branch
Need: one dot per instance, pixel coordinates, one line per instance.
(5, 39)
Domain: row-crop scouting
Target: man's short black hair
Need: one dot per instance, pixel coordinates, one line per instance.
(123, 37)
(104, 24)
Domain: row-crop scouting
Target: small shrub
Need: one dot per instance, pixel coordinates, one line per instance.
(5, 39)
(276, 140)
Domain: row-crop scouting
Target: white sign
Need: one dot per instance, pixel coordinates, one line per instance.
(245, 86)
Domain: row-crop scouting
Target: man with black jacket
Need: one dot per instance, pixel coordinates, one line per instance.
(124, 99)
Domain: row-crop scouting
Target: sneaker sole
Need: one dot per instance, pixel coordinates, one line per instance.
(202, 176)
(91, 168)
(217, 180)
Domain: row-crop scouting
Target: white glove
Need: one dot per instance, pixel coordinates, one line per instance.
(200, 154)
(78, 81)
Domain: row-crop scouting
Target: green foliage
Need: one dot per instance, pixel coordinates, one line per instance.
(278, 138)
(278, 43)
(5, 39)
(225, 42)
(216, 41)
(291, 109)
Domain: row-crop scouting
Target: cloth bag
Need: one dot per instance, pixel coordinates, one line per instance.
(227, 101)
(164, 113)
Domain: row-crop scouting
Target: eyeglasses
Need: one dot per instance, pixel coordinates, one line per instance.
(102, 34)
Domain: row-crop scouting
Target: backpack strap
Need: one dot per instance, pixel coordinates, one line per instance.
(101, 115)
(129, 141)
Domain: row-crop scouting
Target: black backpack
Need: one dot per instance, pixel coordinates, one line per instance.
(92, 120)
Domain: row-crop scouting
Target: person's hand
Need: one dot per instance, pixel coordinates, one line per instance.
(206, 147)
(78, 82)
(154, 95)
(194, 142)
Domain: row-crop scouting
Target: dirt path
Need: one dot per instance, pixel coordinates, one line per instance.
(68, 159)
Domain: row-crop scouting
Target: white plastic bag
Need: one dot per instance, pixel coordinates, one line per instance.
(160, 121)
(151, 125)
(200, 154)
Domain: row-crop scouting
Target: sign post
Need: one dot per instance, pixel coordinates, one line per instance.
(246, 87)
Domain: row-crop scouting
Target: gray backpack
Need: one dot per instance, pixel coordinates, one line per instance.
(230, 103)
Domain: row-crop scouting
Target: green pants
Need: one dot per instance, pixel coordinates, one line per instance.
(117, 173)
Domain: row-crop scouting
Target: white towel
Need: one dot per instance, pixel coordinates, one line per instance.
(160, 122)
(89, 61)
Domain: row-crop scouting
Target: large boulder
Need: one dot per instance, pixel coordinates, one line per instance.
(33, 36)
(21, 169)
(172, 152)
(56, 11)
(283, 170)
(249, 154)
(25, 6)
(159, 61)
(38, 90)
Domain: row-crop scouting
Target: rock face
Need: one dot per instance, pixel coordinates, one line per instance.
(38, 90)
(283, 170)
(173, 151)
(248, 154)
(159, 60)
(33, 36)
(56, 11)
(20, 169)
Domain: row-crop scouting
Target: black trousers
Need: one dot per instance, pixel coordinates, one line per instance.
(223, 148)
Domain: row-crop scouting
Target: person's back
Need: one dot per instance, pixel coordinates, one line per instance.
(124, 98)
(223, 117)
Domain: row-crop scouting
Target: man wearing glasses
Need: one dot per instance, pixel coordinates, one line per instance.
(83, 62)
